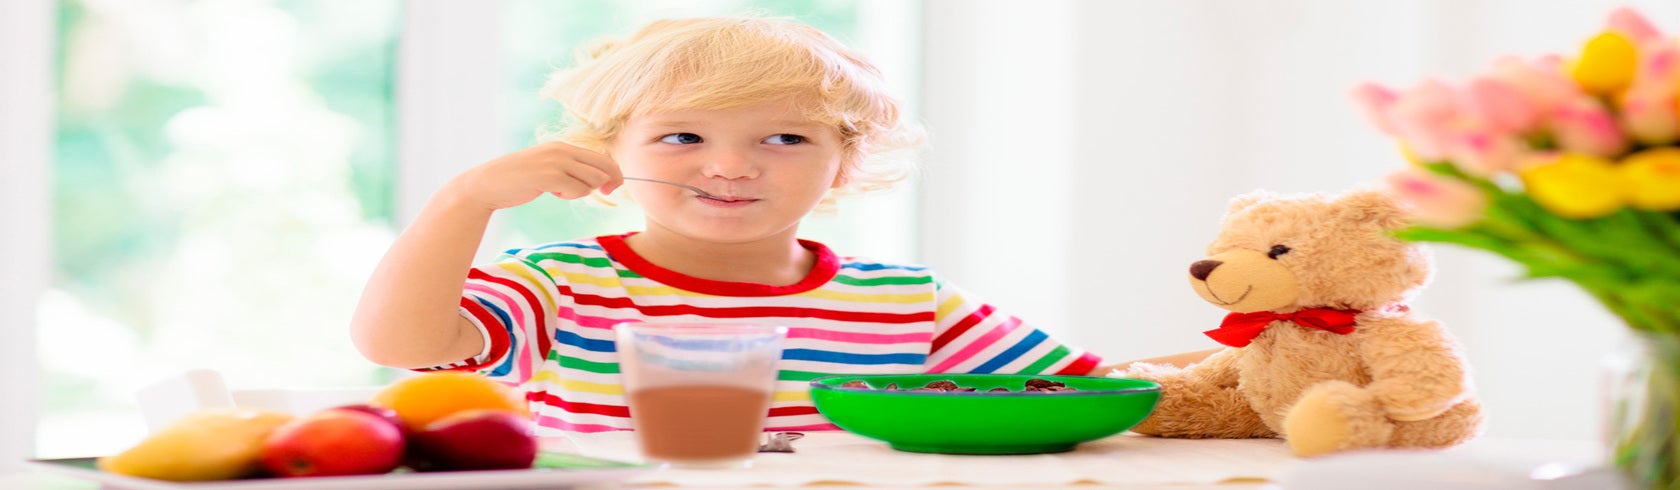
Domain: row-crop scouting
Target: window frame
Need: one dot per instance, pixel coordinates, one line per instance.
(25, 192)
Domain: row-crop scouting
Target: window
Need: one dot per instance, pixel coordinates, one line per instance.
(222, 184)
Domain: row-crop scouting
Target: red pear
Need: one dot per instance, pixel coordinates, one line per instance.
(333, 442)
(477, 439)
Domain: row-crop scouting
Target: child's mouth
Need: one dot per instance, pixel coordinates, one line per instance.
(726, 200)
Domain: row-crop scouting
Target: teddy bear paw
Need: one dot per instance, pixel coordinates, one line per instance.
(1335, 416)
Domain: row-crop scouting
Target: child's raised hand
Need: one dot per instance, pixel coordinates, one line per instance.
(561, 169)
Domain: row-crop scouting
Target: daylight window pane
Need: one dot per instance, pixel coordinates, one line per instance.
(222, 186)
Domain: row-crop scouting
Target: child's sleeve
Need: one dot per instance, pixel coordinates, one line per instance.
(971, 336)
(511, 301)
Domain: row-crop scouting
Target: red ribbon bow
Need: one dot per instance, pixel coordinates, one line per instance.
(1239, 329)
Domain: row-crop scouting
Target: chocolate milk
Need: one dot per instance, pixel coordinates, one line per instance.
(699, 424)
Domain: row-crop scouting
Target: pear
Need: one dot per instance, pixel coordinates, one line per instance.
(211, 444)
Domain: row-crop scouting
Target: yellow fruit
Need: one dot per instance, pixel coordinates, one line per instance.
(422, 399)
(212, 444)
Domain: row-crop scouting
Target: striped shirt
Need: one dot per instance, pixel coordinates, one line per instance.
(547, 315)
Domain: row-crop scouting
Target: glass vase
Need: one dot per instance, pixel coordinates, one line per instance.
(1642, 438)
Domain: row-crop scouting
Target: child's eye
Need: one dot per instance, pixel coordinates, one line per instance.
(680, 138)
(784, 139)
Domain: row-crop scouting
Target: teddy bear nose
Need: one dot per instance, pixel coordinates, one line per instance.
(1202, 268)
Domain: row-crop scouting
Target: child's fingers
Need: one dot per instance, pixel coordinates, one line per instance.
(594, 177)
(569, 189)
(593, 159)
(609, 177)
(575, 181)
(612, 178)
(598, 160)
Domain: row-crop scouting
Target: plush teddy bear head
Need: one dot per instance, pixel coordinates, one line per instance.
(1284, 253)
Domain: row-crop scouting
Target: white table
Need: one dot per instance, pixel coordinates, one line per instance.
(1127, 460)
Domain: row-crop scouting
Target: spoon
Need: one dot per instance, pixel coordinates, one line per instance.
(697, 190)
(779, 442)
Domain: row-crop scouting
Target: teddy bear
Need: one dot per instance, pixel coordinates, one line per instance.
(1322, 349)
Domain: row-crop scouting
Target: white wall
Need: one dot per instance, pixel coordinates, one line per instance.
(1106, 137)
(25, 149)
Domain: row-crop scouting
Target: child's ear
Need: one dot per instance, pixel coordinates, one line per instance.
(841, 178)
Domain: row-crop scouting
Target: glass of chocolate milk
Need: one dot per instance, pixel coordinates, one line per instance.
(699, 393)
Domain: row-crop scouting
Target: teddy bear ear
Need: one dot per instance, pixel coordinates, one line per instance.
(1375, 206)
(1249, 199)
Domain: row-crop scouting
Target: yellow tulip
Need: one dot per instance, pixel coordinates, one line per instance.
(1606, 65)
(1575, 186)
(1652, 178)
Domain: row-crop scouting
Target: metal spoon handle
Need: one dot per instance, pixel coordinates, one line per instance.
(697, 190)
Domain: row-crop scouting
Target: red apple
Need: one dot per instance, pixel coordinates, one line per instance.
(385, 413)
(333, 442)
(478, 439)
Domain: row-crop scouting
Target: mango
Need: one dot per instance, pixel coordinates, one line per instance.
(211, 444)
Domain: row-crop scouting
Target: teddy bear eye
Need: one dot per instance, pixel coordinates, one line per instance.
(1276, 251)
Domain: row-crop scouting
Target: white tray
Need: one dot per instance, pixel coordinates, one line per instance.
(552, 470)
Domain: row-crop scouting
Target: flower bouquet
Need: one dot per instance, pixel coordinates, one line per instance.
(1569, 166)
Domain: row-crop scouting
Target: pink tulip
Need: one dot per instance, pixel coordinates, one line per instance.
(1542, 82)
(1437, 201)
(1648, 105)
(1648, 113)
(1660, 63)
(1375, 100)
(1479, 129)
(1483, 152)
(1583, 125)
(1632, 24)
(1422, 119)
(1503, 107)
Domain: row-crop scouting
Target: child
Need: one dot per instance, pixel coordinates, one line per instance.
(773, 118)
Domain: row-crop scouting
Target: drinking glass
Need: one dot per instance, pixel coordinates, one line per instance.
(699, 393)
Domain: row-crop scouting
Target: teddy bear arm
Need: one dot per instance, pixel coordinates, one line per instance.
(1417, 370)
(1199, 401)
(1220, 368)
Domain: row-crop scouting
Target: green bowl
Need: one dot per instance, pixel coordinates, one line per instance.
(981, 422)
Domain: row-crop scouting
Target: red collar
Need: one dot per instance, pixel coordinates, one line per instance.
(1239, 329)
(828, 265)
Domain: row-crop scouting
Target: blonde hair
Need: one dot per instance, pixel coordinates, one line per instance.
(728, 62)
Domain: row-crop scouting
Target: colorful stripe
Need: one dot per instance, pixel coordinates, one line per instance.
(859, 337)
(973, 349)
(548, 315)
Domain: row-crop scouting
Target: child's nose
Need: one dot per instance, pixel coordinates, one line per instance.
(730, 163)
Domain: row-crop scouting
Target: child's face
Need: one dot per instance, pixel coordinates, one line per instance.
(770, 163)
